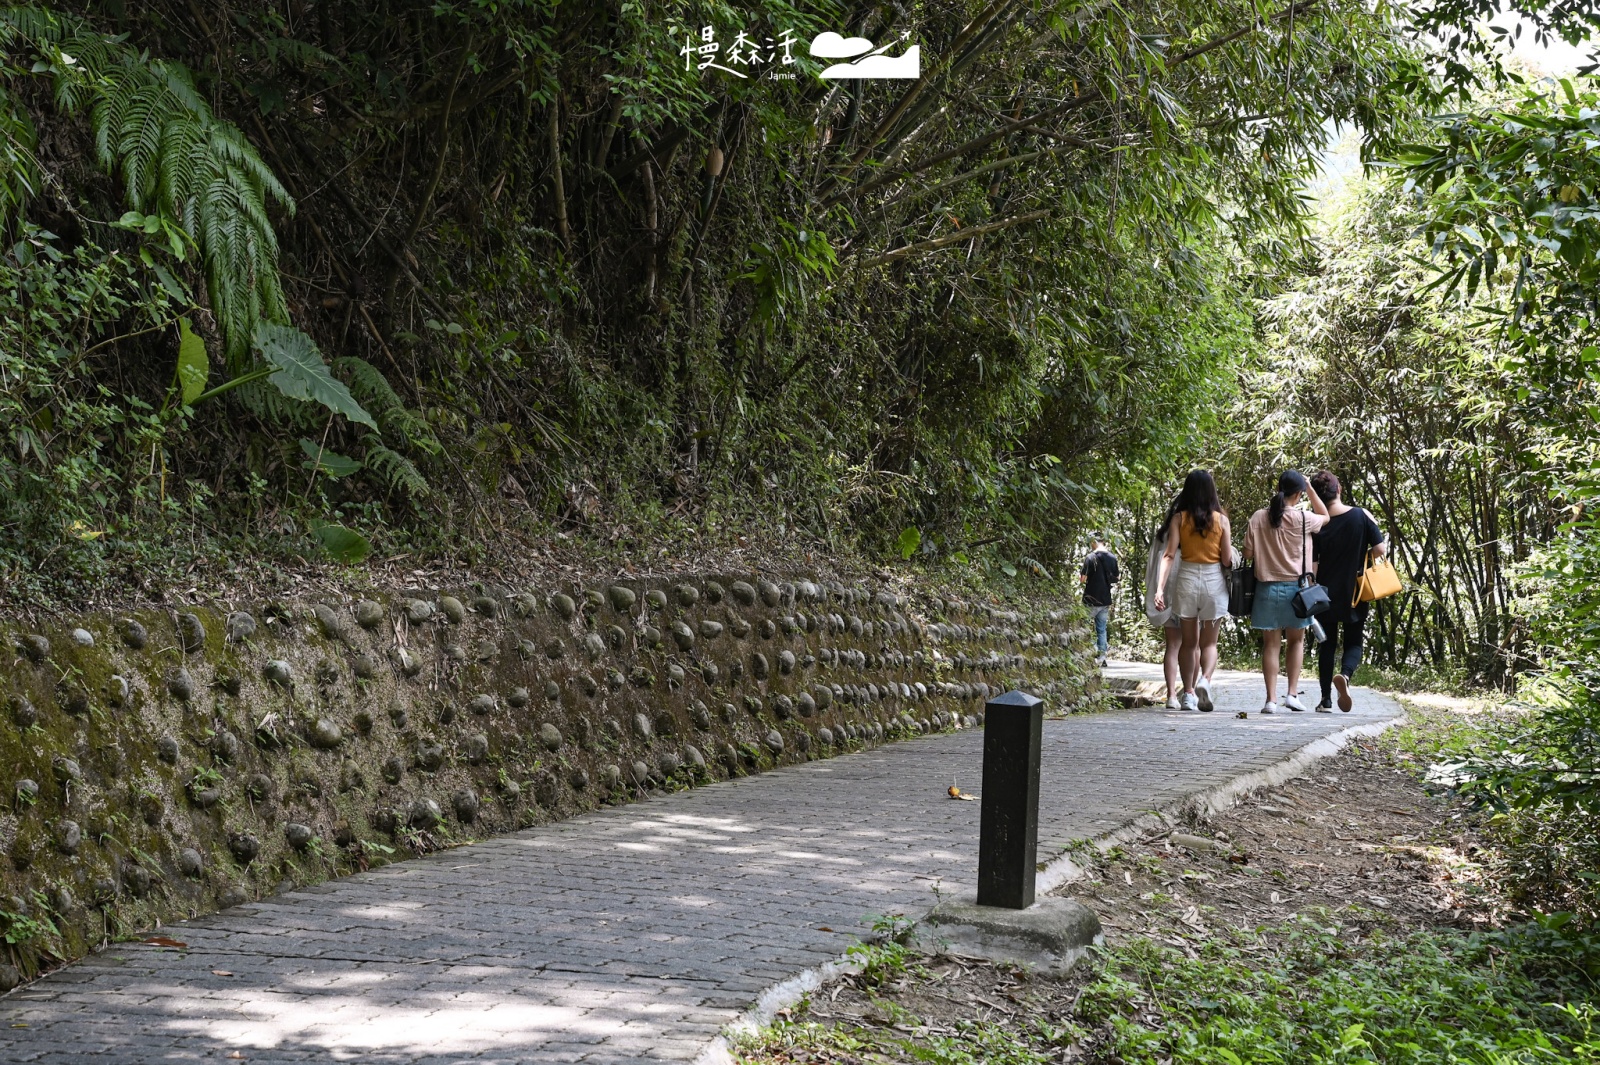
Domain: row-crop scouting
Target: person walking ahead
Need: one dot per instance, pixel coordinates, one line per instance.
(1340, 550)
(1278, 538)
(1097, 574)
(1200, 540)
(1163, 617)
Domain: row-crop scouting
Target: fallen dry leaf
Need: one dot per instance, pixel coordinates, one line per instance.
(220, 972)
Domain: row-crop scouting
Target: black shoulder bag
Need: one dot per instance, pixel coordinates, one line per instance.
(1311, 598)
(1242, 590)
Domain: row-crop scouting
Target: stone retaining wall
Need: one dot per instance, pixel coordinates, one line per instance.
(159, 765)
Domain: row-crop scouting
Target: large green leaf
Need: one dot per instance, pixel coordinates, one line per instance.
(193, 365)
(342, 544)
(303, 375)
(331, 463)
(910, 540)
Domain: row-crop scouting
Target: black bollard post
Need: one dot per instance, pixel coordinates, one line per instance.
(1008, 827)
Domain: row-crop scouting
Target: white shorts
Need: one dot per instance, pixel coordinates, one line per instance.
(1199, 591)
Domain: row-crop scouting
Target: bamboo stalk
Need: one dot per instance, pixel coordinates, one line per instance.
(558, 185)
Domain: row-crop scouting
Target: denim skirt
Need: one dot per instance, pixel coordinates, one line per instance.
(1274, 607)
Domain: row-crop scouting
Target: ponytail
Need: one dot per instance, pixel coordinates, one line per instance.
(1276, 508)
(1289, 484)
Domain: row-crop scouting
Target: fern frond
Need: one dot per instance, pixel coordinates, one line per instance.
(369, 386)
(34, 24)
(19, 179)
(154, 130)
(182, 155)
(393, 470)
(414, 429)
(178, 83)
(379, 398)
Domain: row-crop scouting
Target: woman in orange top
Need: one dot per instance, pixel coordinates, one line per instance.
(1199, 537)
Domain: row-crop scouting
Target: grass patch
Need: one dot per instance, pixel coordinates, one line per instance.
(1313, 993)
(1307, 992)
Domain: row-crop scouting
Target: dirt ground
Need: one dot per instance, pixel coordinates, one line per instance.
(1357, 839)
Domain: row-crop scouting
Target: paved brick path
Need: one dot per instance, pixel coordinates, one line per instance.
(631, 934)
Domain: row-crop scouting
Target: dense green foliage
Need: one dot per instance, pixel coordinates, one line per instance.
(188, 179)
(1311, 991)
(1322, 995)
(596, 287)
(1508, 200)
(1364, 371)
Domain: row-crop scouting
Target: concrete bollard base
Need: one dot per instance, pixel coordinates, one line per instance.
(1049, 936)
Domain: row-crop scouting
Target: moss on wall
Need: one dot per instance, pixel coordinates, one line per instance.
(159, 765)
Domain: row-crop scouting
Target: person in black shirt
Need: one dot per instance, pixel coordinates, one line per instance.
(1340, 551)
(1097, 574)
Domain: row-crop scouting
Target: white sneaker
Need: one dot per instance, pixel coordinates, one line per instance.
(1189, 702)
(1293, 703)
(1202, 692)
(1270, 708)
(1172, 703)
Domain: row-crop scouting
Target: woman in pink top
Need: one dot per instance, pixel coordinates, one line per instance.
(1278, 540)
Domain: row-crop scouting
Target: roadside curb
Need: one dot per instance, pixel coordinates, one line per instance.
(1063, 869)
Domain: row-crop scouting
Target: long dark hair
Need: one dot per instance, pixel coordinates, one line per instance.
(1289, 484)
(1198, 499)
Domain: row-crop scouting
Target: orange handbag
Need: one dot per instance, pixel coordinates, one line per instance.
(1378, 580)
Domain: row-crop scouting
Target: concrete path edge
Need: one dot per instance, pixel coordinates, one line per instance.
(1062, 870)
